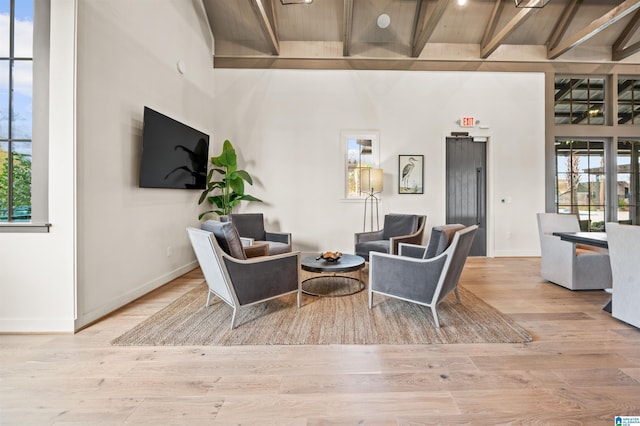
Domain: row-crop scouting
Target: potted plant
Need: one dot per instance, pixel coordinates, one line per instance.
(230, 183)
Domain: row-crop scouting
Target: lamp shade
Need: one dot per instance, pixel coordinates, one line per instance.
(370, 180)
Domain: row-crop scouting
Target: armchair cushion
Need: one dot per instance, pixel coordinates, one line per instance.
(399, 224)
(441, 237)
(227, 237)
(251, 225)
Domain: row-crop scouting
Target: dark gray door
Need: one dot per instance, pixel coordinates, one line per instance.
(466, 187)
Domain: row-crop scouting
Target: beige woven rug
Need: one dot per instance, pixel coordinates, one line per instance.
(323, 320)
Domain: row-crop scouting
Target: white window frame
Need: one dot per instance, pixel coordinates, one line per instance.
(349, 135)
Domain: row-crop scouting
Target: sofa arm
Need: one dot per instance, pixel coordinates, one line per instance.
(278, 237)
(363, 237)
(415, 238)
(412, 250)
(405, 277)
(263, 278)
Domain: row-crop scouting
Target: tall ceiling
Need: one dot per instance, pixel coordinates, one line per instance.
(426, 30)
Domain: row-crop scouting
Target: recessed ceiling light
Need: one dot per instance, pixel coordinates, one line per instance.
(286, 2)
(383, 20)
(462, 2)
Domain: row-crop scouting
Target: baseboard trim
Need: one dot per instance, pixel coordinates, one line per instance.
(94, 315)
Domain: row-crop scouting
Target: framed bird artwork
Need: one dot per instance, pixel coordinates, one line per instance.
(411, 174)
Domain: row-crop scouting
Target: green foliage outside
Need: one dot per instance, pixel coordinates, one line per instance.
(21, 185)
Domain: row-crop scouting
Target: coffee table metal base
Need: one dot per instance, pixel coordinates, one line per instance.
(332, 285)
(332, 279)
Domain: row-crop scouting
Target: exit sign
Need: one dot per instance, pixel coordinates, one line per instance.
(467, 122)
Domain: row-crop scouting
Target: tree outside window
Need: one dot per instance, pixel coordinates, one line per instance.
(16, 65)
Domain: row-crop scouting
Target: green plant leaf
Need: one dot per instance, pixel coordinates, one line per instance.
(237, 185)
(244, 176)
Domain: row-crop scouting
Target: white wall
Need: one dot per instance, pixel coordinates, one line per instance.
(127, 58)
(286, 125)
(109, 239)
(37, 286)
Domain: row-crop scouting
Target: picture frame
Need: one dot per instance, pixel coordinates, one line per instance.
(411, 174)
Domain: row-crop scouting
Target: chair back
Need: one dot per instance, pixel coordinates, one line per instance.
(204, 245)
(249, 225)
(396, 225)
(441, 238)
(457, 255)
(227, 237)
(624, 241)
(548, 223)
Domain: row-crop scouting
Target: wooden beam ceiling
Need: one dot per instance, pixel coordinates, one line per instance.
(347, 27)
(597, 26)
(266, 24)
(562, 25)
(425, 33)
(620, 50)
(490, 46)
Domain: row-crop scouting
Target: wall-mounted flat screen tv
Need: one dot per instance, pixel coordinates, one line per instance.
(174, 155)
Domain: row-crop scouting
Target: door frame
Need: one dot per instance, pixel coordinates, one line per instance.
(490, 219)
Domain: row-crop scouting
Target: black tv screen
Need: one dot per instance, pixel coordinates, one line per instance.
(174, 155)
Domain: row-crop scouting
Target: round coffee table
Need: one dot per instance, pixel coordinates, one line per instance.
(332, 281)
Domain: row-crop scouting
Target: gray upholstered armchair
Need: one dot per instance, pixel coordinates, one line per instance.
(574, 266)
(398, 228)
(413, 277)
(239, 281)
(251, 226)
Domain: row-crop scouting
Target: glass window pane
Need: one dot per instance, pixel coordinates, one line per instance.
(4, 171)
(4, 99)
(21, 181)
(23, 33)
(22, 100)
(4, 28)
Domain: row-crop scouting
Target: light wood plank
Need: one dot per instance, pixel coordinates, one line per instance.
(582, 366)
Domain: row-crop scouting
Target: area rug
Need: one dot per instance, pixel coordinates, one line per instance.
(323, 320)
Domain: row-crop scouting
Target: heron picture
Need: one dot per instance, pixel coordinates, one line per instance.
(410, 174)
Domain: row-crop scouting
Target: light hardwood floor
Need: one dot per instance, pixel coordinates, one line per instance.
(583, 367)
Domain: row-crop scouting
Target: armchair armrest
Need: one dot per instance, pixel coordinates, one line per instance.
(256, 249)
(263, 278)
(405, 277)
(279, 237)
(362, 237)
(412, 250)
(415, 238)
(246, 242)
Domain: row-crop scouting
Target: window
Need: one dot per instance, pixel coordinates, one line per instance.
(579, 100)
(360, 151)
(16, 71)
(628, 101)
(580, 181)
(628, 181)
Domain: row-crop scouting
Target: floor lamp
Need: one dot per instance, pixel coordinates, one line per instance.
(371, 184)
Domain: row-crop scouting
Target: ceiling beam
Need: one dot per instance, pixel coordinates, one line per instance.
(620, 50)
(425, 33)
(418, 21)
(267, 27)
(490, 47)
(594, 28)
(562, 25)
(347, 26)
(498, 6)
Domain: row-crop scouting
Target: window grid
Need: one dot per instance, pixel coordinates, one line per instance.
(579, 101)
(15, 126)
(628, 181)
(580, 181)
(628, 101)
